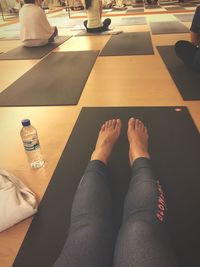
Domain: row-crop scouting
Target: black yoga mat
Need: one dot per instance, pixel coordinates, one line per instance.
(175, 150)
(22, 52)
(129, 43)
(188, 4)
(186, 80)
(58, 79)
(167, 27)
(174, 8)
(127, 21)
(185, 17)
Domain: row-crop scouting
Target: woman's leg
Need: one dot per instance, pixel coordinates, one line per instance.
(106, 24)
(90, 241)
(186, 51)
(142, 240)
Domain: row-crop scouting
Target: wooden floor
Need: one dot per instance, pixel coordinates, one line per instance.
(114, 81)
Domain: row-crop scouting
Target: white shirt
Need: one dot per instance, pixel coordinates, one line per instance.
(93, 14)
(34, 25)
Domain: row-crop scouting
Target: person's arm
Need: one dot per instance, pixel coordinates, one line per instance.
(194, 38)
(194, 29)
(100, 8)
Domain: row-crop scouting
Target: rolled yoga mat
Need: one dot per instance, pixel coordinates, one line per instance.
(58, 79)
(187, 81)
(174, 146)
(22, 52)
(129, 43)
(167, 27)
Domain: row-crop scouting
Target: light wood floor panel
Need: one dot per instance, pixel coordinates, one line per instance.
(126, 81)
(8, 45)
(11, 70)
(84, 43)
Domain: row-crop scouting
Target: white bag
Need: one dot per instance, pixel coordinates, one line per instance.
(17, 202)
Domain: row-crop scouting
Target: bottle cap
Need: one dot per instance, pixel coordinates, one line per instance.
(26, 122)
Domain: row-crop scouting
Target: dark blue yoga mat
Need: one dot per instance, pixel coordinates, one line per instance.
(187, 81)
(175, 151)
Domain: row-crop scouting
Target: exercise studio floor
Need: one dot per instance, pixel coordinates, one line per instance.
(114, 81)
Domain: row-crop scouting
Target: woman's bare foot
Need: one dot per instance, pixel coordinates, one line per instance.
(108, 135)
(138, 140)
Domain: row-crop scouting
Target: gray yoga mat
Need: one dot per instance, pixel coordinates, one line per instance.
(168, 3)
(135, 10)
(167, 27)
(129, 43)
(174, 8)
(22, 52)
(58, 79)
(65, 23)
(174, 146)
(185, 17)
(152, 6)
(127, 21)
(186, 80)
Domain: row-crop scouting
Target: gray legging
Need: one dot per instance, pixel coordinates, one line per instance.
(142, 240)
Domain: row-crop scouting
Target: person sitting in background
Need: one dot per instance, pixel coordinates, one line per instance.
(35, 28)
(119, 5)
(107, 4)
(77, 5)
(189, 52)
(94, 13)
(17, 6)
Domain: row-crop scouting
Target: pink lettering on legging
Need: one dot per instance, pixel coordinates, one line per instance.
(161, 203)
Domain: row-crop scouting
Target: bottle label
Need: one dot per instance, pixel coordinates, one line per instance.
(31, 145)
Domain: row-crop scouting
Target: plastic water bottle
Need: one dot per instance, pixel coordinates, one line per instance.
(31, 144)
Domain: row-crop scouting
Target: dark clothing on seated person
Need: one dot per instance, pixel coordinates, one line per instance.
(188, 52)
(106, 23)
(195, 27)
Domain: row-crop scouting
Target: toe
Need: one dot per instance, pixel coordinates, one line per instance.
(118, 124)
(131, 123)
